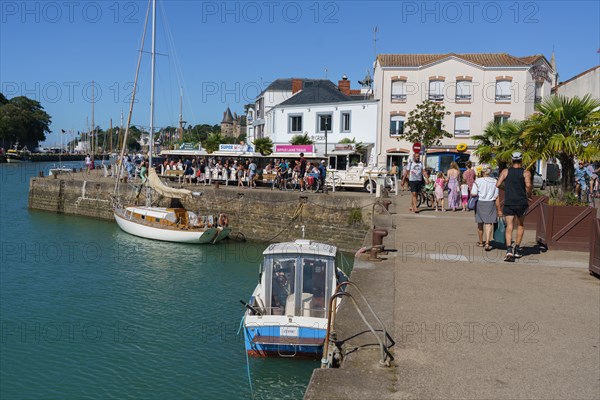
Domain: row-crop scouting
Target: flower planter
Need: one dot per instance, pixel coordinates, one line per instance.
(595, 248)
(565, 227)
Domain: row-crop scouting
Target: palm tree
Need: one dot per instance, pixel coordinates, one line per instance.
(212, 142)
(301, 139)
(568, 129)
(499, 141)
(263, 145)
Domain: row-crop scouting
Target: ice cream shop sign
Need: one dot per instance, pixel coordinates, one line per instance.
(289, 148)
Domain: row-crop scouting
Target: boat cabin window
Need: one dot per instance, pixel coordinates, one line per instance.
(300, 285)
(339, 162)
(282, 283)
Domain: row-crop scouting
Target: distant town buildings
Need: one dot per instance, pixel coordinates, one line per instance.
(233, 125)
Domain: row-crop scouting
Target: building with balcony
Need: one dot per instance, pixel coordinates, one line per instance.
(474, 88)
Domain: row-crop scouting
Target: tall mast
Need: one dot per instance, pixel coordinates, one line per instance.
(152, 82)
(181, 113)
(93, 125)
(111, 137)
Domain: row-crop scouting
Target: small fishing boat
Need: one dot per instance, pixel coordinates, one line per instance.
(15, 155)
(287, 313)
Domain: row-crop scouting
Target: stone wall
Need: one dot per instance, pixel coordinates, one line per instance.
(260, 214)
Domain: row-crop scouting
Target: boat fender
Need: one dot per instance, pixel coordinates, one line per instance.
(223, 220)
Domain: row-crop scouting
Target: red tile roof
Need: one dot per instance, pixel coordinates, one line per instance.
(483, 59)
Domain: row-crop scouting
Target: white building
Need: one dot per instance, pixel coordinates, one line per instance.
(326, 113)
(587, 82)
(474, 88)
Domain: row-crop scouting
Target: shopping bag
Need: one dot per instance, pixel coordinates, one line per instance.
(472, 202)
(499, 232)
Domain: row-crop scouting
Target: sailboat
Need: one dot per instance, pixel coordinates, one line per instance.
(172, 224)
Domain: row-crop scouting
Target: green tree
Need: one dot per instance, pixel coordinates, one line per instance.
(263, 145)
(212, 142)
(568, 129)
(23, 120)
(425, 124)
(301, 139)
(498, 141)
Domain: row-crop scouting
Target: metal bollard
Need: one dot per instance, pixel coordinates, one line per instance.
(377, 236)
(386, 204)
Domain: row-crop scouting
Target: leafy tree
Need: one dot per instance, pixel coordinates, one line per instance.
(23, 120)
(424, 124)
(301, 139)
(133, 144)
(568, 129)
(242, 137)
(264, 146)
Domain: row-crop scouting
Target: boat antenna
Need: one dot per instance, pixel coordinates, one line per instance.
(137, 71)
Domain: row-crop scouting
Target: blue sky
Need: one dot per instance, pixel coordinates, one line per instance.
(223, 53)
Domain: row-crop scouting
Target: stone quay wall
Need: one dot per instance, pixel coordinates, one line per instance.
(341, 218)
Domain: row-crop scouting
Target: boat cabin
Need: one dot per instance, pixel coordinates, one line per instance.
(298, 278)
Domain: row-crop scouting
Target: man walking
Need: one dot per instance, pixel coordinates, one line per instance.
(416, 172)
(517, 191)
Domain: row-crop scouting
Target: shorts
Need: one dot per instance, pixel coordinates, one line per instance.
(415, 186)
(517, 211)
(465, 199)
(301, 174)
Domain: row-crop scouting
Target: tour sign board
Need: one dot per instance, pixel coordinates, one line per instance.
(417, 147)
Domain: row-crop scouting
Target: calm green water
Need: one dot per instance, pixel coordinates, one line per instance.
(89, 312)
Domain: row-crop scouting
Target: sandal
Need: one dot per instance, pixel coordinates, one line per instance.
(479, 244)
(488, 247)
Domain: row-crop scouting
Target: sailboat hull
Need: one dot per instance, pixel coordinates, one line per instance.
(135, 228)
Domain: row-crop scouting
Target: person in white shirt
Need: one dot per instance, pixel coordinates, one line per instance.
(486, 211)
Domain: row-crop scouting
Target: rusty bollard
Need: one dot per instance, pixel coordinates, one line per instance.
(377, 236)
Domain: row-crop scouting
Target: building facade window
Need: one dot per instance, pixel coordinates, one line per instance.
(397, 125)
(398, 91)
(436, 90)
(295, 123)
(503, 91)
(501, 119)
(324, 123)
(462, 125)
(538, 92)
(345, 121)
(463, 91)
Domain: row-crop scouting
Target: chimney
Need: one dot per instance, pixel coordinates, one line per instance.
(296, 85)
(344, 85)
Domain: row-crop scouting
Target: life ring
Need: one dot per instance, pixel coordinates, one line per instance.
(223, 220)
(461, 147)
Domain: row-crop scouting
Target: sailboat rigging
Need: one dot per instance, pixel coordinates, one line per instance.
(174, 224)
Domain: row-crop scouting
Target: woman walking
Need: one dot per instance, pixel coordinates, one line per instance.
(486, 211)
(453, 180)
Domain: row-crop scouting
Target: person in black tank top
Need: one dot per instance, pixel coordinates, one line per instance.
(517, 192)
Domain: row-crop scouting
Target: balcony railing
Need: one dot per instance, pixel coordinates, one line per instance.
(398, 97)
(436, 97)
(462, 132)
(463, 97)
(503, 97)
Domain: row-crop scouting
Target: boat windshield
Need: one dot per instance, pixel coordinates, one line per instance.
(300, 284)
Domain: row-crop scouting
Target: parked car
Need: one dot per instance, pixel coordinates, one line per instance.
(538, 181)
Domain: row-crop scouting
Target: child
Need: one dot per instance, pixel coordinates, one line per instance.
(464, 191)
(440, 182)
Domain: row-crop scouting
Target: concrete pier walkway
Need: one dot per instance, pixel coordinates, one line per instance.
(467, 324)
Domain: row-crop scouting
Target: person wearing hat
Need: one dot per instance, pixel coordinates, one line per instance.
(517, 191)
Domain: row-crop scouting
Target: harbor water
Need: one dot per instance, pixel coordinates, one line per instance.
(90, 312)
